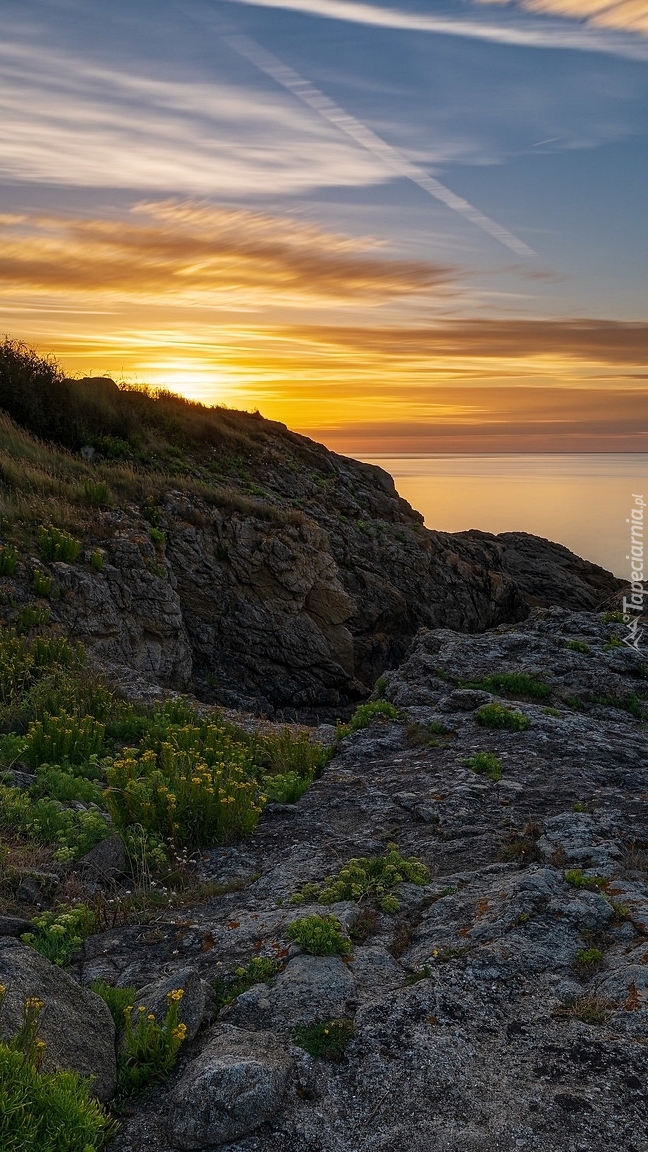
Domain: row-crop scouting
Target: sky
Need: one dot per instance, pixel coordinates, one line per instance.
(399, 227)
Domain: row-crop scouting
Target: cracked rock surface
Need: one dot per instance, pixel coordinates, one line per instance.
(504, 1005)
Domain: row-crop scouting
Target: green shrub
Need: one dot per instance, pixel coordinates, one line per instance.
(30, 617)
(326, 1041)
(621, 911)
(319, 935)
(45, 1112)
(287, 788)
(497, 716)
(574, 702)
(119, 1000)
(63, 738)
(197, 789)
(365, 713)
(95, 493)
(285, 751)
(41, 582)
(8, 560)
(149, 1050)
(16, 665)
(158, 537)
(97, 559)
(419, 974)
(589, 957)
(612, 617)
(368, 878)
(577, 879)
(260, 970)
(54, 544)
(380, 687)
(612, 643)
(52, 651)
(58, 934)
(12, 747)
(513, 684)
(61, 785)
(578, 646)
(46, 822)
(486, 764)
(438, 728)
(630, 703)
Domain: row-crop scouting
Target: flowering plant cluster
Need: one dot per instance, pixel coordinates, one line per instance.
(148, 1049)
(59, 933)
(44, 1111)
(198, 787)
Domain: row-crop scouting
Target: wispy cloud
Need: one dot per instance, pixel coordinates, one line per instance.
(592, 340)
(527, 34)
(190, 253)
(627, 15)
(66, 121)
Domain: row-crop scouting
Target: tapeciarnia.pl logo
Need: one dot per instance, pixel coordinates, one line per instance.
(634, 604)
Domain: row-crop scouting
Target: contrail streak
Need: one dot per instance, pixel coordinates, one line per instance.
(391, 158)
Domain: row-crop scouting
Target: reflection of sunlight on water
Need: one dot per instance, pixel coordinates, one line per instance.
(579, 500)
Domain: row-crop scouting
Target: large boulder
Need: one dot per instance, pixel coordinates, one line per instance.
(312, 988)
(191, 1009)
(107, 860)
(236, 1084)
(76, 1025)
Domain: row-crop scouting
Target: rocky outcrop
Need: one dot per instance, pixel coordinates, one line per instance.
(128, 614)
(505, 1004)
(547, 573)
(291, 593)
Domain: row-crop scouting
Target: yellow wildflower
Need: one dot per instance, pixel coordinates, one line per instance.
(175, 995)
(179, 1032)
(34, 1003)
(150, 1016)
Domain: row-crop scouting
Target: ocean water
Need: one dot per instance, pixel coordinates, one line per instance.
(581, 500)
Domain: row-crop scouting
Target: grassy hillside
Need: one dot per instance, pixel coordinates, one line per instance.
(143, 442)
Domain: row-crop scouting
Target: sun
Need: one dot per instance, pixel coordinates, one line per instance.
(193, 379)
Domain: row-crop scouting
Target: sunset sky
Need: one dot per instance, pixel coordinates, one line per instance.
(398, 227)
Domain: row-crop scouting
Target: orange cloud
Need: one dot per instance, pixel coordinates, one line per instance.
(184, 252)
(626, 15)
(592, 340)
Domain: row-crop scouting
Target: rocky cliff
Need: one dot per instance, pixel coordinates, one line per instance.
(293, 586)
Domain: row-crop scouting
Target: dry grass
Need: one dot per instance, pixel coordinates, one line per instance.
(590, 1009)
(42, 484)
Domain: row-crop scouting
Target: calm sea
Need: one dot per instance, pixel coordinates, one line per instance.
(581, 500)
